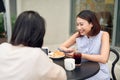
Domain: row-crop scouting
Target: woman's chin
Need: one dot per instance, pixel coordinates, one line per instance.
(82, 34)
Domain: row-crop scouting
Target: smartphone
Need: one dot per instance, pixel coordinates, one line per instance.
(45, 49)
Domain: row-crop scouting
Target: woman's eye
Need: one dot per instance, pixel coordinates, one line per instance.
(79, 24)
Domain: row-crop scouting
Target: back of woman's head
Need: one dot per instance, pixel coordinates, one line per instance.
(29, 30)
(91, 18)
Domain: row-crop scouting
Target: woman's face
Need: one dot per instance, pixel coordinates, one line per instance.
(83, 26)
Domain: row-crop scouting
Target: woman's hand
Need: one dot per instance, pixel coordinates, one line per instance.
(74, 54)
(66, 50)
(69, 54)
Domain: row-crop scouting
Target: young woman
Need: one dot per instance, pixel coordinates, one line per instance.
(92, 43)
(22, 58)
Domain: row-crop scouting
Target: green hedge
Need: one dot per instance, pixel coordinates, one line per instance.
(13, 18)
(1, 24)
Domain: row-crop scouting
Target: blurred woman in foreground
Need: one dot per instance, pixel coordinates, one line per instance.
(22, 58)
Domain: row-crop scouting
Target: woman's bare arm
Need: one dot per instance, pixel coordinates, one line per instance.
(104, 52)
(71, 41)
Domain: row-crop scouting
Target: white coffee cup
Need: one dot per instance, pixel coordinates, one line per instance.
(69, 64)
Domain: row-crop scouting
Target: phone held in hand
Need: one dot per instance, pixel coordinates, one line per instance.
(63, 51)
(45, 49)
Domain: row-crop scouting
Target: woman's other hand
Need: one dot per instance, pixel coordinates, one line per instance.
(66, 50)
(70, 54)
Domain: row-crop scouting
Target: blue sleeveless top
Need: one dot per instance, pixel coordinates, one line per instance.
(91, 46)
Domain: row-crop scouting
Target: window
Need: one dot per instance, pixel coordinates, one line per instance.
(117, 39)
(104, 10)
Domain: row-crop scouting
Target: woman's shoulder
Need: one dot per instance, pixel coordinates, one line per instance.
(5, 45)
(105, 33)
(35, 50)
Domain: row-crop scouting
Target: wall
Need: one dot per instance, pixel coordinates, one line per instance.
(56, 14)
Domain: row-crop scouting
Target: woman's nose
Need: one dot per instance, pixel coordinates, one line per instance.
(79, 27)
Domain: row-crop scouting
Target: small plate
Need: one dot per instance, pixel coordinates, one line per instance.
(55, 57)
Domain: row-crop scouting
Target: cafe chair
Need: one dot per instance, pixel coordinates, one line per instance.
(116, 53)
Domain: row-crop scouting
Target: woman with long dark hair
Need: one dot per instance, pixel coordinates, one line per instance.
(92, 43)
(23, 58)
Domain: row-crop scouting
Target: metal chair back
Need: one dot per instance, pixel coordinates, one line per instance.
(114, 51)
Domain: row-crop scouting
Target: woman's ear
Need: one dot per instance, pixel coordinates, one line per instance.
(91, 25)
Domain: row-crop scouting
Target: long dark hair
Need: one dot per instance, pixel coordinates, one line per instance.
(29, 30)
(91, 18)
